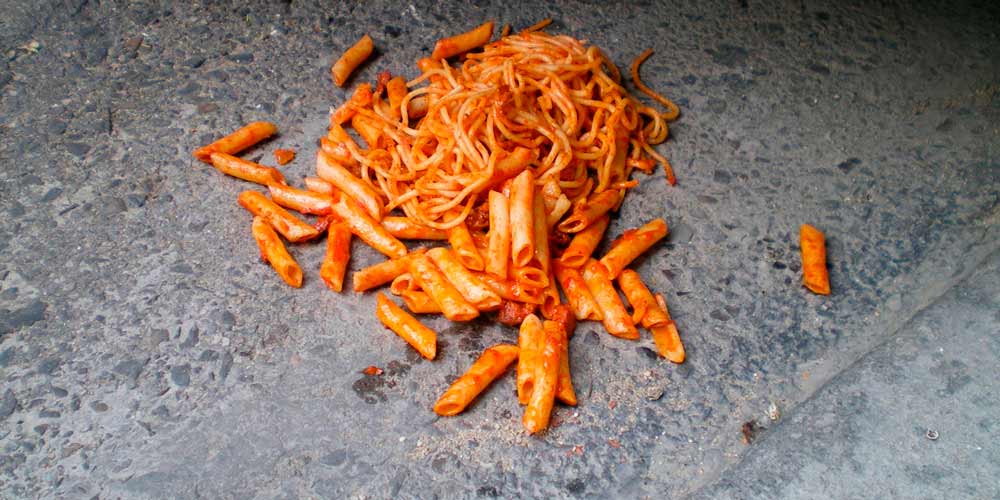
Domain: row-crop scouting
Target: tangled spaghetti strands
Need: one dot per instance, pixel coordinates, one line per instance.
(548, 99)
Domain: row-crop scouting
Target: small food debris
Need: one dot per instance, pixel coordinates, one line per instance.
(612, 405)
(932, 434)
(749, 430)
(614, 443)
(654, 393)
(372, 370)
(772, 412)
(805, 376)
(283, 156)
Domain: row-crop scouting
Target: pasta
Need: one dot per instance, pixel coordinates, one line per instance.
(351, 59)
(632, 244)
(467, 283)
(498, 252)
(423, 339)
(302, 201)
(583, 244)
(490, 365)
(615, 318)
(274, 252)
(247, 136)
(430, 279)
(814, 274)
(405, 228)
(338, 252)
(246, 170)
(294, 230)
(529, 341)
(539, 409)
(564, 381)
(365, 227)
(329, 170)
(382, 273)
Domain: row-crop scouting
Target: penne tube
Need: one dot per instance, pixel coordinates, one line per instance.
(397, 90)
(588, 211)
(418, 302)
(645, 309)
(530, 277)
(543, 393)
(814, 273)
(351, 59)
(616, 319)
(529, 341)
(329, 170)
(339, 151)
(550, 300)
(423, 339)
(583, 244)
(498, 252)
(406, 228)
(338, 252)
(541, 236)
(317, 185)
(510, 290)
(632, 244)
(455, 45)
(490, 365)
(361, 98)
(247, 136)
(577, 294)
(293, 229)
(381, 273)
(668, 342)
(430, 279)
(522, 219)
(365, 227)
(510, 166)
(274, 252)
(300, 200)
(467, 283)
(246, 170)
(369, 130)
(403, 284)
(564, 380)
(465, 247)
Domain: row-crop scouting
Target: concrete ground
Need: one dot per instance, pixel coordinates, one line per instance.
(145, 352)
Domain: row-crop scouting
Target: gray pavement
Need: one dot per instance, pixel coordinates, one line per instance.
(145, 352)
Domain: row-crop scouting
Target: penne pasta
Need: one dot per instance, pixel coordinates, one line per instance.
(291, 228)
(246, 170)
(338, 252)
(418, 302)
(406, 228)
(404, 283)
(577, 294)
(338, 151)
(564, 380)
(510, 290)
(645, 310)
(300, 200)
(632, 244)
(430, 279)
(530, 277)
(351, 59)
(498, 252)
(814, 273)
(369, 130)
(381, 273)
(529, 341)
(329, 170)
(361, 98)
(550, 300)
(455, 45)
(467, 283)
(490, 365)
(583, 244)
(522, 219)
(465, 247)
(586, 212)
(541, 236)
(274, 252)
(396, 90)
(539, 409)
(317, 185)
(423, 339)
(247, 136)
(616, 319)
(365, 227)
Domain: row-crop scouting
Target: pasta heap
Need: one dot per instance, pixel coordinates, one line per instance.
(515, 157)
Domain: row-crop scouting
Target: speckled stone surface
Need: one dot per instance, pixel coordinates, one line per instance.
(147, 353)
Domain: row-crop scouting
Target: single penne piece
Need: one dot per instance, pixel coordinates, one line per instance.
(351, 59)
(550, 300)
(369, 130)
(490, 365)
(529, 341)
(365, 227)
(406, 228)
(645, 309)
(361, 98)
(338, 252)
(632, 244)
(423, 339)
(465, 247)
(329, 170)
(317, 185)
(381, 273)
(510, 290)
(530, 277)
(293, 229)
(510, 166)
(300, 200)
(467, 283)
(455, 45)
(274, 252)
(247, 136)
(498, 252)
(576, 291)
(564, 381)
(403, 283)
(522, 218)
(430, 279)
(814, 273)
(616, 319)
(246, 170)
(541, 236)
(543, 393)
(396, 90)
(337, 150)
(588, 211)
(583, 244)
(418, 302)
(668, 342)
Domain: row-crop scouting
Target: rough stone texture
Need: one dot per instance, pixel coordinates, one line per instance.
(125, 261)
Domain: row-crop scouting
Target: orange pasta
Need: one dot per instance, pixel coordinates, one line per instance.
(541, 236)
(579, 297)
(317, 185)
(467, 283)
(498, 254)
(338, 252)
(246, 170)
(510, 290)
(338, 151)
(814, 273)
(361, 97)
(382, 273)
(419, 302)
(490, 365)
(632, 244)
(274, 252)
(292, 229)
(351, 59)
(455, 45)
(396, 90)
(564, 383)
(616, 319)
(585, 213)
(543, 393)
(302, 201)
(529, 341)
(652, 313)
(329, 170)
(583, 244)
(284, 156)
(430, 279)
(465, 248)
(423, 339)
(365, 227)
(522, 219)
(406, 228)
(250, 134)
